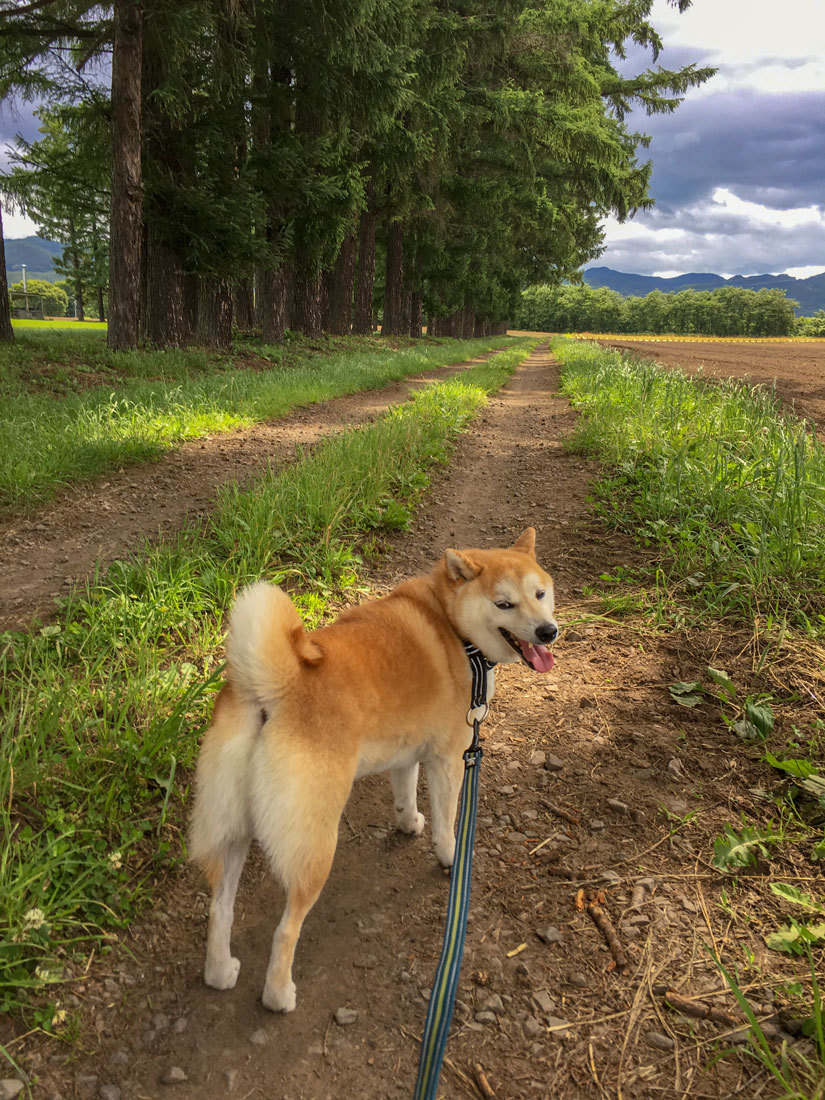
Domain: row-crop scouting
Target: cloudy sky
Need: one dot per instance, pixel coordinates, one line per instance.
(739, 169)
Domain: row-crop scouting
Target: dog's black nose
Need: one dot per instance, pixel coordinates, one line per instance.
(547, 633)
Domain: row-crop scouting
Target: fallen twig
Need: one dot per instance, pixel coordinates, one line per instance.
(611, 937)
(484, 1086)
(559, 812)
(538, 847)
(700, 1011)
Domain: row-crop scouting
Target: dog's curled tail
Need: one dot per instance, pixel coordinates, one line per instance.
(267, 644)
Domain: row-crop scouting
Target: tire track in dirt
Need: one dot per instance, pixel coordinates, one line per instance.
(42, 554)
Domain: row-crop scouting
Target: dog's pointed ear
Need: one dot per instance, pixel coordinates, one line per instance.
(459, 567)
(526, 542)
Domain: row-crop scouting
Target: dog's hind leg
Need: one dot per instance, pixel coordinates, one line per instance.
(279, 988)
(221, 969)
(444, 779)
(405, 791)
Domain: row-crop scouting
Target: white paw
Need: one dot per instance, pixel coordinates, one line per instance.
(279, 1000)
(413, 825)
(445, 850)
(221, 975)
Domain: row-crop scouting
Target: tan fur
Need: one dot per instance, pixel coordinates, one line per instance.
(384, 687)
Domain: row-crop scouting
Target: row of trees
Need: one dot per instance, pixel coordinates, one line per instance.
(290, 165)
(727, 311)
(811, 326)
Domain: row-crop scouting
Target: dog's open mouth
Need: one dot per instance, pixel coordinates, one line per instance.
(538, 657)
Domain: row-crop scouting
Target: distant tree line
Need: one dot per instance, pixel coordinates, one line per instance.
(727, 311)
(811, 326)
(279, 163)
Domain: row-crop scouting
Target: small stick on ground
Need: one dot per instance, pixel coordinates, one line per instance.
(700, 1011)
(559, 812)
(611, 936)
(484, 1086)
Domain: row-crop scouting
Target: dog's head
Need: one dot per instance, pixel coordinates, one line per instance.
(502, 602)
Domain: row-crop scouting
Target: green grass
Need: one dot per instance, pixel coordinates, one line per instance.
(103, 410)
(26, 325)
(101, 710)
(729, 489)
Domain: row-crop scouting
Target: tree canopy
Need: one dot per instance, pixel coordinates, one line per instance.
(474, 148)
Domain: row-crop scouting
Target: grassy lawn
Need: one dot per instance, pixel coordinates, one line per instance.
(23, 326)
(102, 709)
(74, 410)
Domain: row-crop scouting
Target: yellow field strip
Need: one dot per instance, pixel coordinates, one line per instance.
(693, 339)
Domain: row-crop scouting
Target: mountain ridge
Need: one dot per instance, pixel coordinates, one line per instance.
(810, 292)
(36, 253)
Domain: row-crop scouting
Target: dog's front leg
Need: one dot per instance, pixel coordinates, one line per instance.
(221, 970)
(444, 779)
(405, 791)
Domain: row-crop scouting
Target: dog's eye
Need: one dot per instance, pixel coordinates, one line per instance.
(504, 605)
(540, 594)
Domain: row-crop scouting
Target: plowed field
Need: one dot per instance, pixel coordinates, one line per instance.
(796, 369)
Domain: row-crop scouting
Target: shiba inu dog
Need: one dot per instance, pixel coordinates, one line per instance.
(386, 687)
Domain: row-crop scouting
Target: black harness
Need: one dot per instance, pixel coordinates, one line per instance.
(479, 667)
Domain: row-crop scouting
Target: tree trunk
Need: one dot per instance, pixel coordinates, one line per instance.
(339, 303)
(273, 297)
(165, 324)
(365, 279)
(190, 287)
(327, 296)
(393, 323)
(416, 319)
(127, 179)
(79, 310)
(214, 313)
(306, 304)
(243, 305)
(406, 311)
(101, 314)
(6, 330)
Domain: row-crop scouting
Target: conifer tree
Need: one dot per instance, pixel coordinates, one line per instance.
(29, 32)
(61, 181)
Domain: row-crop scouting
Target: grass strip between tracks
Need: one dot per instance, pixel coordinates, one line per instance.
(73, 410)
(101, 709)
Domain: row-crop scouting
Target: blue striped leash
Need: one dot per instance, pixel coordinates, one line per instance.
(445, 983)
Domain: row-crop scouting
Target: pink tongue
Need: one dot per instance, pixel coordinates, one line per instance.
(538, 657)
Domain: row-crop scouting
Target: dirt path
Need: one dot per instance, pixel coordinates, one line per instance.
(593, 763)
(43, 553)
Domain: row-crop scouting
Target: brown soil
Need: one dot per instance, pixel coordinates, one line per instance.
(796, 369)
(594, 783)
